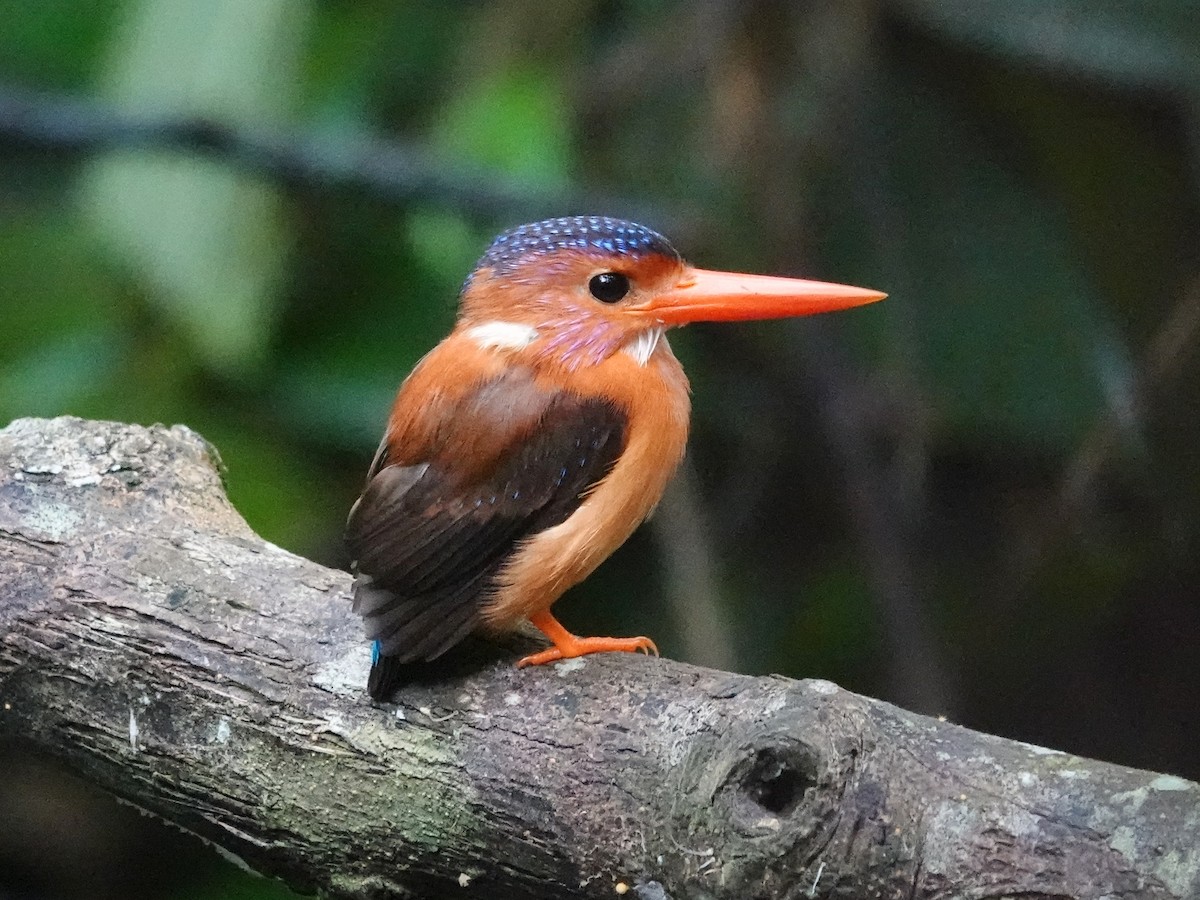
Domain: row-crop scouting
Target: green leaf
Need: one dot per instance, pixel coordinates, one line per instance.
(515, 120)
(59, 374)
(379, 58)
(61, 340)
(209, 243)
(52, 43)
(445, 244)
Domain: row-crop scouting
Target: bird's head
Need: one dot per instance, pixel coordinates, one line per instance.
(576, 290)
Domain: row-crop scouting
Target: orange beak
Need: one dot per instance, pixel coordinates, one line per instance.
(707, 296)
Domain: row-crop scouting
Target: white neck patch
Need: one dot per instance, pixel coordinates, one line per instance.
(641, 346)
(502, 335)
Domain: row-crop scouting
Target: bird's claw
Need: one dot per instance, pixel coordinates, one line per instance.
(578, 646)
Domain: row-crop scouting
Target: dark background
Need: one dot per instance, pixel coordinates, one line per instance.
(977, 499)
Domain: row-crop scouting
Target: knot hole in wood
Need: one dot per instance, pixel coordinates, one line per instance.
(771, 781)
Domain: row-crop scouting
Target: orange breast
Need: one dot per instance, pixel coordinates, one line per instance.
(655, 398)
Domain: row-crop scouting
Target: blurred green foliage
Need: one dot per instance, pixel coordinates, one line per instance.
(1020, 176)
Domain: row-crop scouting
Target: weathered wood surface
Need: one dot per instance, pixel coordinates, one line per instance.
(152, 642)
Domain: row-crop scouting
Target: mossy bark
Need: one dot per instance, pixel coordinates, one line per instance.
(151, 641)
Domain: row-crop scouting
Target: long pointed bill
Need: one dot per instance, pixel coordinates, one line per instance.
(706, 296)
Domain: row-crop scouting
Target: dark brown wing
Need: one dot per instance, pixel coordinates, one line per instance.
(427, 547)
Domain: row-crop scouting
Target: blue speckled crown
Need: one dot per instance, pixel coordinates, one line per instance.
(587, 233)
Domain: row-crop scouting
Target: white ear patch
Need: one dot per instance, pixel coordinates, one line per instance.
(502, 335)
(641, 346)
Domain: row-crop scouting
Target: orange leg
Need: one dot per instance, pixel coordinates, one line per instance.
(568, 646)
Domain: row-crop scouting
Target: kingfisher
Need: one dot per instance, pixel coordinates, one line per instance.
(530, 443)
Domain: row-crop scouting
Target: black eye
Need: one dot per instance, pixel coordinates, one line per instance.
(609, 287)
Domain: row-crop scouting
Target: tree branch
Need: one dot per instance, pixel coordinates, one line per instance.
(155, 644)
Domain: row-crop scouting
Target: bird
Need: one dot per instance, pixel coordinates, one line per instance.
(526, 447)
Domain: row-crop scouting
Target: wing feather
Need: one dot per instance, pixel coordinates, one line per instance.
(428, 543)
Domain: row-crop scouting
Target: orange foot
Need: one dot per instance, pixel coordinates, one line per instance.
(568, 646)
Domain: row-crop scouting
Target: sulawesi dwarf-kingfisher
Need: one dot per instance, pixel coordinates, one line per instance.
(532, 441)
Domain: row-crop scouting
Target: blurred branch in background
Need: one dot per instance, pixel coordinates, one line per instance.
(789, 77)
(875, 436)
(865, 427)
(1161, 361)
(1140, 46)
(384, 168)
(690, 581)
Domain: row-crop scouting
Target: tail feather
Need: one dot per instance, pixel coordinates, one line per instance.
(387, 674)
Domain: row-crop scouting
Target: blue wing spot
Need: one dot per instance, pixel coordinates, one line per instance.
(376, 651)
